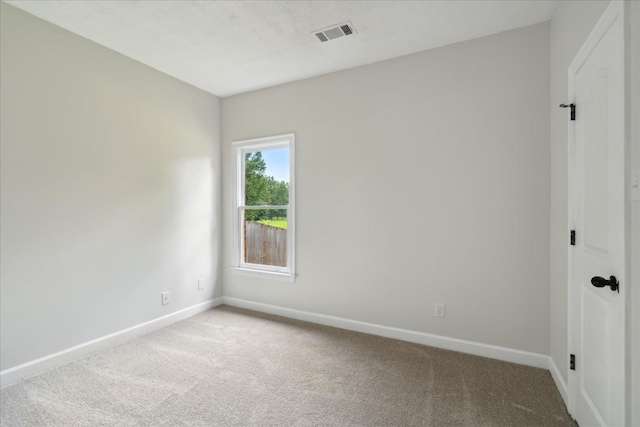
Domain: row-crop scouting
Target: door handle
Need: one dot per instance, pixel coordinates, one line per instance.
(601, 282)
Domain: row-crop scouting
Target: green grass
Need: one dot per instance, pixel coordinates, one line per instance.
(279, 223)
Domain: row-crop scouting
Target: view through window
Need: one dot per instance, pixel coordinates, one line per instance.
(265, 227)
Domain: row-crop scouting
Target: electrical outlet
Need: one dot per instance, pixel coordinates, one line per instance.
(440, 312)
(200, 284)
(166, 298)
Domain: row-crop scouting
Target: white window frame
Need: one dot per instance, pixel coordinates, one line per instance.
(240, 148)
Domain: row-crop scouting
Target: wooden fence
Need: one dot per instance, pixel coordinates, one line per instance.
(265, 245)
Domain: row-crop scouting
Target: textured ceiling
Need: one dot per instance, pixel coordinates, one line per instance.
(230, 47)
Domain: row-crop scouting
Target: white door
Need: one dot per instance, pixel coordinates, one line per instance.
(597, 214)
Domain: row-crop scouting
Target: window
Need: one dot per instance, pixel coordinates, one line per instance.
(264, 219)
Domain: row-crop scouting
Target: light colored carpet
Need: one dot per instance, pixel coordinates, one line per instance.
(240, 368)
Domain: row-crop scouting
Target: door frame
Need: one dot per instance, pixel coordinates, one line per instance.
(616, 10)
(632, 13)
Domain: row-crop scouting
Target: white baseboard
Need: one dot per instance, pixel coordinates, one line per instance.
(486, 350)
(35, 367)
(38, 366)
(560, 382)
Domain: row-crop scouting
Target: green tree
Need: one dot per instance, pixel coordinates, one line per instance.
(256, 186)
(279, 191)
(263, 190)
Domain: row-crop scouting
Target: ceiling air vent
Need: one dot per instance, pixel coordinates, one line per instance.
(335, 32)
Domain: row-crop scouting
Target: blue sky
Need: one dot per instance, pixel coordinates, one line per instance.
(277, 163)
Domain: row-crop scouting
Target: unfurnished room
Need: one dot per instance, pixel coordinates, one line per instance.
(320, 213)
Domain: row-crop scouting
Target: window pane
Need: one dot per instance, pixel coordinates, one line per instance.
(265, 236)
(267, 177)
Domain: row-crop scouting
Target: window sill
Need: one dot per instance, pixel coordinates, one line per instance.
(261, 274)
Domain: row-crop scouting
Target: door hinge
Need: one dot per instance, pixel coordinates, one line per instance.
(572, 362)
(572, 237)
(573, 109)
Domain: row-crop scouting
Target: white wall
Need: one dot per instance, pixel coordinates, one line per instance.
(633, 330)
(570, 25)
(421, 179)
(110, 190)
